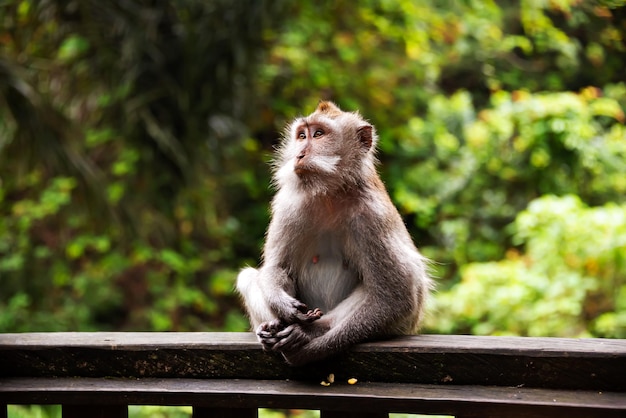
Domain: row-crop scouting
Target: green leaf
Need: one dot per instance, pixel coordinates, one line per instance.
(72, 47)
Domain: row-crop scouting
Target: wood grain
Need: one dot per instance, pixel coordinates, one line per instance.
(588, 364)
(366, 397)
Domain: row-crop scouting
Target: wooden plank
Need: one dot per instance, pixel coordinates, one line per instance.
(596, 364)
(362, 397)
(132, 340)
(204, 412)
(94, 411)
(237, 341)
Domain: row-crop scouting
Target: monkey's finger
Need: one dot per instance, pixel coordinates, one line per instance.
(304, 319)
(291, 341)
(268, 345)
(285, 332)
(267, 341)
(270, 328)
(317, 312)
(262, 329)
(301, 307)
(275, 325)
(310, 316)
(265, 334)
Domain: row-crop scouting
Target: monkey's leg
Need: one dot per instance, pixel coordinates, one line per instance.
(257, 307)
(264, 322)
(337, 330)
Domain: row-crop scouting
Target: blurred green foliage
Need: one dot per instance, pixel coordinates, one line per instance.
(569, 281)
(121, 141)
(135, 136)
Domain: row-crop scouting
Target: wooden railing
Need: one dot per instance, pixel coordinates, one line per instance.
(228, 375)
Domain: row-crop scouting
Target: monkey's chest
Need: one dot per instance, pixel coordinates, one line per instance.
(325, 278)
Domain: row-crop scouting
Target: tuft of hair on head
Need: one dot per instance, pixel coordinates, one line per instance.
(328, 108)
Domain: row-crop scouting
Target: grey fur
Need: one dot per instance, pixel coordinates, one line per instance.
(335, 242)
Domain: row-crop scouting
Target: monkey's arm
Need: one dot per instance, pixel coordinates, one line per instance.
(277, 288)
(278, 293)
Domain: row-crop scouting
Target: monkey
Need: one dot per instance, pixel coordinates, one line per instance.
(338, 266)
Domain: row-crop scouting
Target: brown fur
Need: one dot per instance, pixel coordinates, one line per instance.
(328, 108)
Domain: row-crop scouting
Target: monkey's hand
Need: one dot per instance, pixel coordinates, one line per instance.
(298, 312)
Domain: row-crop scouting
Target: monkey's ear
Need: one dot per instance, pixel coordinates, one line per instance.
(364, 133)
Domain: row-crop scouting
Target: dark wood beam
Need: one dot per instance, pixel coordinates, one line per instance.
(558, 363)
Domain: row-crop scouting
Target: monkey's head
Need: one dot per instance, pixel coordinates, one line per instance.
(326, 150)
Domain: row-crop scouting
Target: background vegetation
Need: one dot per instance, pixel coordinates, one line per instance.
(135, 136)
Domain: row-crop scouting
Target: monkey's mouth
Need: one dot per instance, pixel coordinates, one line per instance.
(302, 169)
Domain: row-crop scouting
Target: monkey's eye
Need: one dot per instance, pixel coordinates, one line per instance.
(301, 135)
(318, 133)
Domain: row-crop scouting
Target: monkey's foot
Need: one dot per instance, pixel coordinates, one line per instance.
(291, 339)
(267, 331)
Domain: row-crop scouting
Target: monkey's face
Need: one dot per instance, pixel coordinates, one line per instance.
(316, 144)
(324, 150)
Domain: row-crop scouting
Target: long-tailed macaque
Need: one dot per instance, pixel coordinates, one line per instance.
(339, 266)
